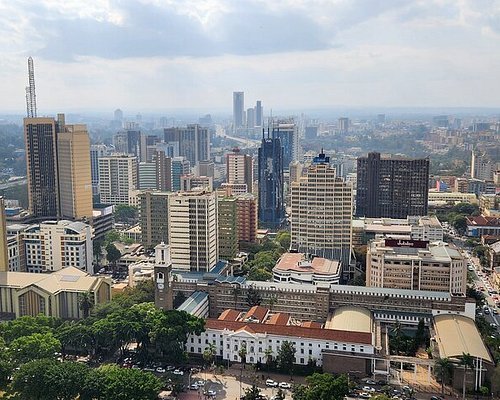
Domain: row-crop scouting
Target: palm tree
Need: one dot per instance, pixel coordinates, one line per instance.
(242, 352)
(397, 332)
(236, 293)
(85, 303)
(443, 368)
(209, 354)
(269, 357)
(467, 361)
(273, 299)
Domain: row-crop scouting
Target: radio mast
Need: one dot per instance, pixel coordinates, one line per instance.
(30, 91)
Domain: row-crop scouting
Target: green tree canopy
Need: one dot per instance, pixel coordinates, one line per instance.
(322, 387)
(286, 357)
(34, 347)
(112, 253)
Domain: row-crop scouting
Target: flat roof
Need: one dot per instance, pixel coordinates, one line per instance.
(456, 335)
(298, 262)
(351, 319)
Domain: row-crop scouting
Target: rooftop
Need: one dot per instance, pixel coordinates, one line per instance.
(298, 262)
(456, 335)
(481, 220)
(351, 319)
(193, 301)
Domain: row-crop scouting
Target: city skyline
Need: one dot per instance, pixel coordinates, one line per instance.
(386, 54)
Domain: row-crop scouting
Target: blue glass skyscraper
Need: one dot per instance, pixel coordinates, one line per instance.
(271, 201)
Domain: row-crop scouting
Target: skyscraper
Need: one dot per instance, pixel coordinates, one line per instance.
(238, 109)
(73, 163)
(228, 229)
(193, 234)
(96, 151)
(343, 125)
(259, 121)
(239, 169)
(193, 142)
(251, 118)
(117, 176)
(41, 166)
(391, 187)
(322, 212)
(154, 217)
(288, 134)
(4, 252)
(271, 202)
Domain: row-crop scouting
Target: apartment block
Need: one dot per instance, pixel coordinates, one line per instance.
(154, 219)
(228, 228)
(117, 176)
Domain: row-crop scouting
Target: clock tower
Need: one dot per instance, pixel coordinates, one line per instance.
(163, 277)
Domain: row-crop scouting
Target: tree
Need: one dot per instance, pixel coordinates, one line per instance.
(125, 213)
(242, 353)
(284, 239)
(271, 301)
(27, 325)
(97, 250)
(5, 365)
(322, 387)
(286, 357)
(112, 382)
(259, 274)
(268, 353)
(253, 297)
(467, 361)
(85, 303)
(76, 336)
(397, 332)
(443, 369)
(252, 393)
(49, 380)
(236, 293)
(112, 253)
(34, 347)
(209, 354)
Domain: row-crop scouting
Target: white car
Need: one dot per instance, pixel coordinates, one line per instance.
(160, 370)
(178, 372)
(284, 385)
(194, 386)
(368, 389)
(271, 383)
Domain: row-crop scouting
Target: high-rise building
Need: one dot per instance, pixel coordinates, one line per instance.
(288, 134)
(128, 142)
(117, 176)
(239, 169)
(415, 265)
(251, 118)
(147, 141)
(193, 142)
(41, 149)
(54, 245)
(322, 212)
(246, 218)
(180, 167)
(73, 159)
(391, 187)
(190, 182)
(271, 200)
(4, 251)
(96, 151)
(154, 219)
(228, 228)
(206, 168)
(118, 115)
(193, 234)
(238, 109)
(343, 125)
(482, 167)
(147, 176)
(259, 120)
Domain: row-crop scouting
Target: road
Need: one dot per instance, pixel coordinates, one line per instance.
(246, 143)
(14, 183)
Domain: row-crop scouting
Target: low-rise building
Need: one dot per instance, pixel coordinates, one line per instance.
(298, 268)
(482, 225)
(412, 264)
(494, 251)
(443, 198)
(55, 294)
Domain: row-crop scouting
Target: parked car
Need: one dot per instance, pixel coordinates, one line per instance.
(178, 372)
(365, 395)
(271, 383)
(368, 389)
(194, 386)
(160, 370)
(284, 385)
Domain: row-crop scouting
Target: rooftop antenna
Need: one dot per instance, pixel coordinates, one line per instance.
(30, 90)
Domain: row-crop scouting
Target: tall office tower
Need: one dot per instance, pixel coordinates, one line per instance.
(146, 141)
(170, 150)
(251, 118)
(4, 251)
(180, 166)
(118, 115)
(193, 142)
(53, 245)
(271, 201)
(40, 135)
(154, 219)
(239, 169)
(163, 167)
(295, 172)
(117, 176)
(228, 228)
(322, 212)
(391, 187)
(246, 217)
(96, 151)
(482, 167)
(288, 134)
(311, 132)
(416, 265)
(343, 125)
(259, 121)
(193, 230)
(128, 142)
(147, 176)
(206, 168)
(73, 160)
(238, 109)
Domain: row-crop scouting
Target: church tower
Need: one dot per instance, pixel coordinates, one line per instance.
(163, 277)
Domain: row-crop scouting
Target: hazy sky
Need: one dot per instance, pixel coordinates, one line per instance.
(164, 54)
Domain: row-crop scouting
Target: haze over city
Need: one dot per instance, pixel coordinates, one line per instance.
(163, 55)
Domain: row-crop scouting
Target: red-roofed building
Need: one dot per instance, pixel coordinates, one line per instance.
(229, 315)
(256, 314)
(482, 225)
(311, 340)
